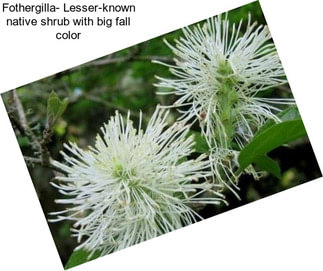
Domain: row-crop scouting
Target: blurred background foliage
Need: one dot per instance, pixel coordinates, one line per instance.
(124, 81)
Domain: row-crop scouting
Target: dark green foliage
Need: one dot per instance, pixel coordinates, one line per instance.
(271, 137)
(291, 113)
(267, 164)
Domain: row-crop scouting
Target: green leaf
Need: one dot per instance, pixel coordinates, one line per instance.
(55, 107)
(80, 256)
(201, 145)
(267, 164)
(291, 113)
(271, 138)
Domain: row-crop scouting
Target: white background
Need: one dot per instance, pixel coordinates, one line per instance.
(281, 232)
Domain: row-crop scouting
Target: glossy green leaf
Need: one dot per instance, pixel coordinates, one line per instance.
(267, 164)
(291, 113)
(271, 138)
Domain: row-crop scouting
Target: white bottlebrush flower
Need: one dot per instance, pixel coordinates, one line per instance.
(133, 185)
(219, 74)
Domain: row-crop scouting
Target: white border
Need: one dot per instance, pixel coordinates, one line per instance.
(281, 232)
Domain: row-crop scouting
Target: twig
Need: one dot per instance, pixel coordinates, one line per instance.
(12, 112)
(40, 146)
(32, 161)
(47, 138)
(108, 60)
(20, 110)
(129, 57)
(164, 59)
(24, 125)
(111, 60)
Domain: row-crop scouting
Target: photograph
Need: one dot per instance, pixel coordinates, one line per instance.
(161, 135)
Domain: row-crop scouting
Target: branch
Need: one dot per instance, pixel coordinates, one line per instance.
(108, 60)
(20, 110)
(40, 146)
(111, 60)
(15, 122)
(164, 59)
(23, 123)
(37, 161)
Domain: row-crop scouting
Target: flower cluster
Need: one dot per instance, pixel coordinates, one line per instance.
(134, 184)
(219, 75)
